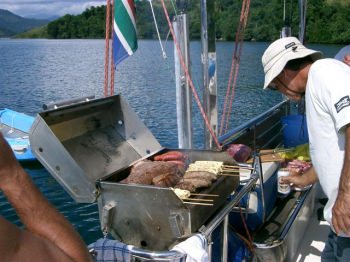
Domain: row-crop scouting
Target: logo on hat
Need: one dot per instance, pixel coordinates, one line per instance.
(289, 45)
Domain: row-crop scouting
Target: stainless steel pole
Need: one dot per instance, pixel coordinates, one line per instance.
(286, 29)
(183, 92)
(209, 69)
(302, 19)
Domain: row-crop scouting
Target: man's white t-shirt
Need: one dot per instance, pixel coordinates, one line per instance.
(327, 100)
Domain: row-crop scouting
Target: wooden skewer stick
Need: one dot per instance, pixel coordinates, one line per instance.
(199, 199)
(228, 174)
(199, 204)
(229, 170)
(240, 167)
(198, 194)
(233, 166)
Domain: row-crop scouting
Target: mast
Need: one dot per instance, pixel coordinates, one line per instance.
(209, 69)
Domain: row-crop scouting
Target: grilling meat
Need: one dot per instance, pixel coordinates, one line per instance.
(166, 180)
(180, 164)
(214, 167)
(186, 185)
(200, 175)
(169, 156)
(181, 193)
(198, 182)
(192, 184)
(239, 152)
(144, 172)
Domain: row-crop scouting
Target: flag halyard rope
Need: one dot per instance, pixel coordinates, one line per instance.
(234, 67)
(108, 32)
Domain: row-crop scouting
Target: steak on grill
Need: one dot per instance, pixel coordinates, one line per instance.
(144, 172)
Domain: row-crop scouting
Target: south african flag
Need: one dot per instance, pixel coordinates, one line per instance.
(124, 30)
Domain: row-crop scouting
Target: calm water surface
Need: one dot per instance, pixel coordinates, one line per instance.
(34, 72)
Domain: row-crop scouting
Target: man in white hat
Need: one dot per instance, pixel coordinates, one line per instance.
(297, 72)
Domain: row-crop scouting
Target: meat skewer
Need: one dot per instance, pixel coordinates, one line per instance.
(198, 194)
(199, 204)
(198, 199)
(231, 171)
(237, 167)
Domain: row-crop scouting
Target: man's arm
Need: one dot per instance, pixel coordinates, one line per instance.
(341, 208)
(308, 178)
(47, 229)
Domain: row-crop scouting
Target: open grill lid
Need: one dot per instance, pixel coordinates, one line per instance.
(82, 143)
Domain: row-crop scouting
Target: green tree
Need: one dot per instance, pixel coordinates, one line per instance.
(327, 21)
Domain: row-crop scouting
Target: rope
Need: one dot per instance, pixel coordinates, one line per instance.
(235, 65)
(249, 243)
(244, 19)
(184, 67)
(155, 23)
(107, 47)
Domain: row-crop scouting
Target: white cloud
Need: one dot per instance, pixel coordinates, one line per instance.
(48, 8)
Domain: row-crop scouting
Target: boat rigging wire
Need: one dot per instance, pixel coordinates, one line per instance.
(184, 67)
(173, 5)
(230, 91)
(174, 8)
(165, 57)
(156, 25)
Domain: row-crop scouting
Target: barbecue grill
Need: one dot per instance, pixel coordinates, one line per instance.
(90, 147)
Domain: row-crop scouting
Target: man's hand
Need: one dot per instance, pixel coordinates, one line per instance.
(341, 208)
(300, 181)
(341, 213)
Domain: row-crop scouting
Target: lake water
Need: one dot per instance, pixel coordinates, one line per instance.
(34, 72)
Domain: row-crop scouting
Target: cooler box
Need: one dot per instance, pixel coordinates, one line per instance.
(295, 130)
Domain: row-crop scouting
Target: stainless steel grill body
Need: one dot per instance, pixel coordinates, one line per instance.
(91, 146)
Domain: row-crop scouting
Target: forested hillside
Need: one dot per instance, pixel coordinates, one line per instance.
(328, 21)
(11, 24)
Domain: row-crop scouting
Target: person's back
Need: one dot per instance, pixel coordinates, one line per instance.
(344, 55)
(326, 116)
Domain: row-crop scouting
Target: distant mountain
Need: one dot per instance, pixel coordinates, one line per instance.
(12, 24)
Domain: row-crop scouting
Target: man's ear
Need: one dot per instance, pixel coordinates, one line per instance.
(287, 73)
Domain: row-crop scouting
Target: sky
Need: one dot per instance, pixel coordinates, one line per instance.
(48, 8)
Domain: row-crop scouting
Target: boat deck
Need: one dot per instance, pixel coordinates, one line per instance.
(314, 239)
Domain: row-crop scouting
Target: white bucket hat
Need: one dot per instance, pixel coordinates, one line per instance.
(280, 52)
